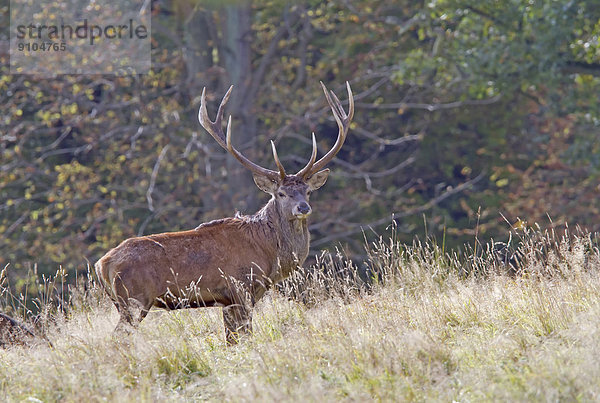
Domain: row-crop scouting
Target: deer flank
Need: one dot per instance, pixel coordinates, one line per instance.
(229, 262)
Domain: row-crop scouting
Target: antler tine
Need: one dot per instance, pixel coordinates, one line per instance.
(313, 157)
(215, 129)
(257, 169)
(350, 101)
(343, 121)
(223, 103)
(341, 113)
(276, 157)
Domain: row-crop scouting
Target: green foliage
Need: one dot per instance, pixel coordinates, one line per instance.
(463, 111)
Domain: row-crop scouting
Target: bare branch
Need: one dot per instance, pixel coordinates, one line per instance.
(395, 216)
(265, 62)
(387, 142)
(359, 173)
(431, 107)
(153, 177)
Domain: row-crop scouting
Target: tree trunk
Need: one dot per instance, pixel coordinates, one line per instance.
(237, 36)
(198, 41)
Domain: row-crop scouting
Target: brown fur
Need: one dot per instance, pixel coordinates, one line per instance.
(229, 262)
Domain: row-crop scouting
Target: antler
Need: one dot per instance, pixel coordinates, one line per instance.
(343, 122)
(216, 130)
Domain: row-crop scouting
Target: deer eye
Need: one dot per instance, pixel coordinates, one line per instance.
(281, 194)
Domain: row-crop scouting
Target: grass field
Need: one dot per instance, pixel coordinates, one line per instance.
(433, 326)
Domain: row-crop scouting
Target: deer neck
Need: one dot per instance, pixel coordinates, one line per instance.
(291, 238)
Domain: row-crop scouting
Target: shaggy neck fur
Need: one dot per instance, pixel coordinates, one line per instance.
(291, 237)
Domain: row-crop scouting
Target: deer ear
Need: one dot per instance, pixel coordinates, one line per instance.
(265, 184)
(318, 179)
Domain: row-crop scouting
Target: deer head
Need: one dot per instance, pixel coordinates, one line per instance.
(291, 192)
(197, 268)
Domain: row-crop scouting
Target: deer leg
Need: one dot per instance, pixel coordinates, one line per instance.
(129, 318)
(121, 300)
(145, 311)
(128, 307)
(126, 323)
(237, 319)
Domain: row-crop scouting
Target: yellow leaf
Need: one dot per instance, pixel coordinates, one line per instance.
(502, 182)
(520, 224)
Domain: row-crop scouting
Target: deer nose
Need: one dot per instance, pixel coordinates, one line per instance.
(303, 209)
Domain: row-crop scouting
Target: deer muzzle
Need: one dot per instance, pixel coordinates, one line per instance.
(301, 210)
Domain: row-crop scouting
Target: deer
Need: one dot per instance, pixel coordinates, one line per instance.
(229, 262)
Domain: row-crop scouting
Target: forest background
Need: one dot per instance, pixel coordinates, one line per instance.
(471, 118)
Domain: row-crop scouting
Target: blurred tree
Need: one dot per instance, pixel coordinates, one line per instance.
(462, 111)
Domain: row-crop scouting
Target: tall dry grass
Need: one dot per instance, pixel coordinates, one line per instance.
(518, 321)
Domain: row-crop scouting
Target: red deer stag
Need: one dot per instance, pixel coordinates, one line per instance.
(229, 262)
